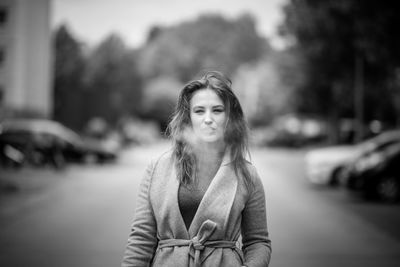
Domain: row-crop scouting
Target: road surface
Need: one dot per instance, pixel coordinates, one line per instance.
(83, 218)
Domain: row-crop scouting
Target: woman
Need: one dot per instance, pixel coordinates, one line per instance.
(197, 202)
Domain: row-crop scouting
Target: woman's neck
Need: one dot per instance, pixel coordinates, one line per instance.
(209, 153)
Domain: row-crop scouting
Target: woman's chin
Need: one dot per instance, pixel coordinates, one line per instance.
(211, 140)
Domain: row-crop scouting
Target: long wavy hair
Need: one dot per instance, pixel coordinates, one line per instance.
(236, 130)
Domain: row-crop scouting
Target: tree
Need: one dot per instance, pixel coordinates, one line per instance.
(69, 67)
(266, 87)
(114, 85)
(209, 42)
(159, 98)
(342, 40)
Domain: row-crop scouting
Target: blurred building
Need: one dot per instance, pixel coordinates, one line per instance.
(25, 57)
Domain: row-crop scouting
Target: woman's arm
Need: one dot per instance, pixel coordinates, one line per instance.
(256, 242)
(142, 241)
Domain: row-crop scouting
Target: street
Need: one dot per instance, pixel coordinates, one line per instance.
(83, 218)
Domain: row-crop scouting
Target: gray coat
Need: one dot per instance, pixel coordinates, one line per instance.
(229, 212)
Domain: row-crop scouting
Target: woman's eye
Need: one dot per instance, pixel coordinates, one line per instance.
(199, 111)
(218, 110)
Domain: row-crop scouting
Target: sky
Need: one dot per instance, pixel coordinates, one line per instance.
(91, 21)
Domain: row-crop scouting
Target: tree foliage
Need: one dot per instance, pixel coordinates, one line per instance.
(103, 82)
(69, 65)
(112, 81)
(332, 36)
(159, 98)
(211, 41)
(266, 88)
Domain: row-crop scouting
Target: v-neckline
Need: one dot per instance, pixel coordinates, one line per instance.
(189, 232)
(201, 200)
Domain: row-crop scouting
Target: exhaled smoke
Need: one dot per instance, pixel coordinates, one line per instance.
(188, 137)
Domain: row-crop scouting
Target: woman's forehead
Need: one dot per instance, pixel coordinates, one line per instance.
(205, 97)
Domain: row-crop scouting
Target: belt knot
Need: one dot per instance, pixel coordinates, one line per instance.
(196, 247)
(195, 244)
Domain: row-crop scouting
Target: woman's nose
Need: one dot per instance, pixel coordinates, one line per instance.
(207, 118)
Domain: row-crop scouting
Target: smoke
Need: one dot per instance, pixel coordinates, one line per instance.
(188, 137)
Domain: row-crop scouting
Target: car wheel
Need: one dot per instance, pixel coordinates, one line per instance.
(388, 189)
(334, 179)
(58, 161)
(90, 158)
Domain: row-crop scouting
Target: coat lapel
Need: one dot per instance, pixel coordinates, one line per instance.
(171, 205)
(218, 199)
(212, 214)
(215, 205)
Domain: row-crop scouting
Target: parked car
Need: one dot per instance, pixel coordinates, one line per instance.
(375, 173)
(291, 131)
(331, 165)
(378, 175)
(40, 142)
(323, 165)
(370, 146)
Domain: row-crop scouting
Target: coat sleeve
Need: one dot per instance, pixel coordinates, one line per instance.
(142, 241)
(255, 238)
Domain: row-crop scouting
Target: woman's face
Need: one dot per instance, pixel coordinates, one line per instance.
(208, 116)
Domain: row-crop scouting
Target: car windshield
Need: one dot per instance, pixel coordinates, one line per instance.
(392, 151)
(380, 142)
(42, 127)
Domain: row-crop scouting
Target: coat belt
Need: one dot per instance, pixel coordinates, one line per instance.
(196, 247)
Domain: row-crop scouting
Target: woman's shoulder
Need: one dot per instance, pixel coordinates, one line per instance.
(253, 177)
(162, 161)
(252, 169)
(164, 156)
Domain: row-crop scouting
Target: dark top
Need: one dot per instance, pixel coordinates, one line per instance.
(189, 200)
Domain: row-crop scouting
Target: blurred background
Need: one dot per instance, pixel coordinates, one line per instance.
(87, 88)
